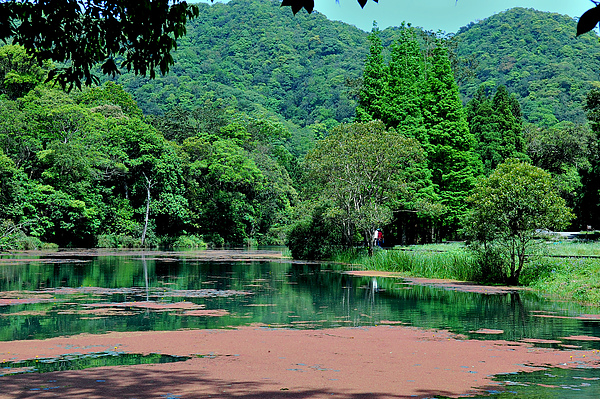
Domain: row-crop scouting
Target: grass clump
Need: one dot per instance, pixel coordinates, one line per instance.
(447, 262)
(189, 242)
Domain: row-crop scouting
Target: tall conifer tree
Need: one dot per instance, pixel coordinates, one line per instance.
(371, 96)
(421, 100)
(449, 143)
(403, 98)
(509, 123)
(496, 124)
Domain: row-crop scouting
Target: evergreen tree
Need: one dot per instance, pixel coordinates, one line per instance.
(509, 123)
(497, 126)
(371, 95)
(422, 101)
(403, 97)
(449, 144)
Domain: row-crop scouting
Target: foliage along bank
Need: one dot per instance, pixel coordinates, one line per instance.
(87, 169)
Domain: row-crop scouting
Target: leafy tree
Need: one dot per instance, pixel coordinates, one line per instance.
(109, 94)
(178, 124)
(149, 175)
(314, 234)
(365, 171)
(8, 188)
(138, 34)
(507, 210)
(19, 72)
(566, 150)
(238, 187)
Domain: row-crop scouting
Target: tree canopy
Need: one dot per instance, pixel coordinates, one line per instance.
(367, 173)
(509, 208)
(139, 35)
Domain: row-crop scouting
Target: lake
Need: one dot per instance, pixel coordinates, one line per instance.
(62, 293)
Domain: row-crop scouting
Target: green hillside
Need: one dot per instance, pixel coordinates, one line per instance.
(263, 59)
(537, 57)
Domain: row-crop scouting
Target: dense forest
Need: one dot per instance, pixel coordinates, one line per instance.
(241, 141)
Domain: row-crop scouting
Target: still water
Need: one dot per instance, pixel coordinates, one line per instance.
(67, 293)
(71, 293)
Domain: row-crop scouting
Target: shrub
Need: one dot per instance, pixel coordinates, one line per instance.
(190, 242)
(314, 237)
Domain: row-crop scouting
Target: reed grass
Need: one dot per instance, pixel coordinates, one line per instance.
(565, 270)
(450, 262)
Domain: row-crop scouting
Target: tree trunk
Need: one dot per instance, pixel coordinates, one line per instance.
(149, 185)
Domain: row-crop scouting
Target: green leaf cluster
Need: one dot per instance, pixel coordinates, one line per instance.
(364, 173)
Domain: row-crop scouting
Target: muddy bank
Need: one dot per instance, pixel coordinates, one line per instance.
(456, 285)
(259, 362)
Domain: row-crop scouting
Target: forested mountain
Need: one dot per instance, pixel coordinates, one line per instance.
(538, 58)
(260, 58)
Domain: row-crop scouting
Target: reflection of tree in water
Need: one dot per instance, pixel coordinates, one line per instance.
(302, 295)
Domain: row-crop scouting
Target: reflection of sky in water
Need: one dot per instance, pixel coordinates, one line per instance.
(549, 383)
(92, 294)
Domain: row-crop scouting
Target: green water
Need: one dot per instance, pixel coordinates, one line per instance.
(57, 295)
(62, 294)
(80, 362)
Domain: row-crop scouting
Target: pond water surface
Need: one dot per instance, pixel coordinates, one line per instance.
(65, 293)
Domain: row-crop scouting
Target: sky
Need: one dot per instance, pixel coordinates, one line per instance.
(445, 15)
(435, 15)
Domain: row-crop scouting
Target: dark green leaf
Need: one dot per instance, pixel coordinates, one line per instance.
(588, 20)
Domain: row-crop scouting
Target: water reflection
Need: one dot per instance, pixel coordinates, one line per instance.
(59, 295)
(576, 383)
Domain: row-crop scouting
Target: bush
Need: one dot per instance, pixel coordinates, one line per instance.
(13, 238)
(215, 240)
(489, 264)
(537, 269)
(117, 241)
(191, 242)
(313, 238)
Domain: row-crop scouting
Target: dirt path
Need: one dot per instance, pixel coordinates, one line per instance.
(257, 362)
